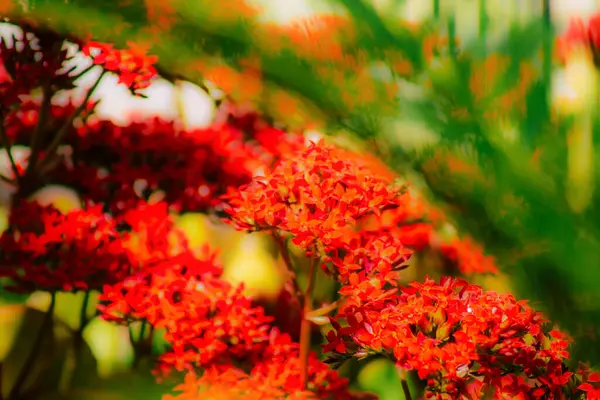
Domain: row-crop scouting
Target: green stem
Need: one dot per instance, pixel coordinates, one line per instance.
(547, 43)
(35, 349)
(287, 259)
(452, 35)
(83, 321)
(406, 390)
(141, 345)
(483, 20)
(404, 383)
(436, 9)
(306, 324)
(60, 135)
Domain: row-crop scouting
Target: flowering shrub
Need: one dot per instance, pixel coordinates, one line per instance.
(347, 217)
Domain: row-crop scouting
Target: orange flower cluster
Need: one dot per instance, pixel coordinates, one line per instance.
(462, 340)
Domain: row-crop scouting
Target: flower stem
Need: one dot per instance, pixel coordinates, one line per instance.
(305, 326)
(404, 383)
(83, 321)
(142, 346)
(285, 254)
(35, 349)
(60, 135)
(8, 147)
(547, 44)
(39, 129)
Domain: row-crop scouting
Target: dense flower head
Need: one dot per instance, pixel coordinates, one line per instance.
(368, 253)
(45, 249)
(313, 196)
(454, 335)
(121, 165)
(275, 374)
(134, 68)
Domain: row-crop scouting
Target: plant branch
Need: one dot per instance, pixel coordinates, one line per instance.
(35, 349)
(404, 383)
(8, 147)
(406, 390)
(83, 319)
(60, 135)
(305, 326)
(142, 344)
(287, 259)
(39, 128)
(6, 179)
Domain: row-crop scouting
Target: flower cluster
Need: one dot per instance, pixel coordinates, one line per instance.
(209, 323)
(275, 375)
(189, 169)
(314, 196)
(462, 340)
(133, 67)
(45, 249)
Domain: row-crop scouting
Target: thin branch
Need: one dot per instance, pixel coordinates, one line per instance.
(406, 390)
(404, 383)
(6, 179)
(85, 71)
(285, 254)
(60, 135)
(8, 147)
(305, 326)
(35, 349)
(39, 128)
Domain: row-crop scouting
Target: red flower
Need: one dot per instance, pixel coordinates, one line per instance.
(451, 333)
(313, 196)
(48, 250)
(134, 68)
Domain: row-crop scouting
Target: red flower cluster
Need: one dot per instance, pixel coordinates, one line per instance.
(462, 340)
(134, 68)
(209, 323)
(47, 250)
(275, 375)
(118, 165)
(314, 196)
